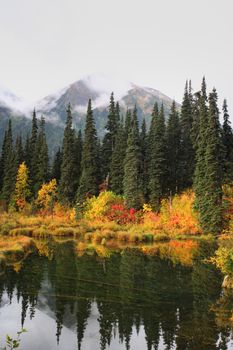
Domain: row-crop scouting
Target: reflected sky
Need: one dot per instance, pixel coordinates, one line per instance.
(125, 301)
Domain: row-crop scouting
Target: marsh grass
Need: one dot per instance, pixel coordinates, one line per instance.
(13, 249)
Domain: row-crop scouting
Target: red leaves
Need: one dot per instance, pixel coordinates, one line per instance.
(120, 214)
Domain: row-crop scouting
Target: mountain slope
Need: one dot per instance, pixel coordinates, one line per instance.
(78, 94)
(53, 107)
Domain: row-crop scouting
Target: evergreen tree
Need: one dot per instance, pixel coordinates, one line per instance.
(173, 142)
(109, 137)
(2, 160)
(157, 163)
(42, 164)
(118, 113)
(128, 122)
(154, 119)
(56, 168)
(19, 150)
(201, 144)
(132, 182)
(89, 177)
(78, 154)
(144, 148)
(117, 163)
(10, 167)
(187, 153)
(33, 156)
(196, 120)
(211, 215)
(69, 181)
(26, 151)
(100, 175)
(227, 140)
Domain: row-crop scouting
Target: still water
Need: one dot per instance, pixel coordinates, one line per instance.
(127, 300)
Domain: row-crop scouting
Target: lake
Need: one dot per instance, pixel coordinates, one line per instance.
(72, 299)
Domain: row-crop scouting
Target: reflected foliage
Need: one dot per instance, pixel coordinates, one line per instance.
(180, 305)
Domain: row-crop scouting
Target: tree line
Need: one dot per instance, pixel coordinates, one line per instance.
(191, 149)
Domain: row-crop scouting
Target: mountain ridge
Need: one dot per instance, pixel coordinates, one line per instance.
(53, 107)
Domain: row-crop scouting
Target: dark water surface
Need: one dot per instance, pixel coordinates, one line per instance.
(125, 301)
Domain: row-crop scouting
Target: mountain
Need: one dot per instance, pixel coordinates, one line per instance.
(14, 108)
(99, 88)
(10, 106)
(96, 87)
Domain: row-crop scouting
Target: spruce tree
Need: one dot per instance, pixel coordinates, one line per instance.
(154, 118)
(26, 151)
(56, 168)
(2, 160)
(78, 154)
(19, 150)
(109, 137)
(100, 176)
(118, 113)
(117, 163)
(33, 156)
(68, 183)
(157, 163)
(128, 122)
(211, 215)
(10, 167)
(42, 164)
(132, 182)
(187, 152)
(144, 150)
(227, 140)
(196, 121)
(201, 144)
(89, 180)
(173, 147)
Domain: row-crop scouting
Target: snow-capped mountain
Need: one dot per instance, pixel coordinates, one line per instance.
(53, 107)
(99, 88)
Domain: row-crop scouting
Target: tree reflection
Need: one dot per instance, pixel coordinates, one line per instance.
(182, 306)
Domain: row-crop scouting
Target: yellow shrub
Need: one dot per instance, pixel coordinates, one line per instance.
(96, 207)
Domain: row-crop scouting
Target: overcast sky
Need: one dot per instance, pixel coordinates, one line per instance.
(47, 44)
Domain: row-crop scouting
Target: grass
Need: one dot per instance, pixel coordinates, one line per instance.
(173, 222)
(14, 249)
(17, 225)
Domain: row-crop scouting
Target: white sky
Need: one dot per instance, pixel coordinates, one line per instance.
(47, 44)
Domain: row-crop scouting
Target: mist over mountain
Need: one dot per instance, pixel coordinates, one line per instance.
(97, 87)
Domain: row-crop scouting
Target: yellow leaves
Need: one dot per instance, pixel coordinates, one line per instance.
(72, 214)
(96, 207)
(22, 191)
(147, 208)
(178, 216)
(47, 195)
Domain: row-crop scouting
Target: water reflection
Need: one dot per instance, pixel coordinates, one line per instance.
(126, 301)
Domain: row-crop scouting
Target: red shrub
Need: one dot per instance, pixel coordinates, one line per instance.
(120, 214)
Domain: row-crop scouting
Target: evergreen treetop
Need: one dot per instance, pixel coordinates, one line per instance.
(89, 177)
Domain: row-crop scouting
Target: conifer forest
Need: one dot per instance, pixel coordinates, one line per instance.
(161, 189)
(144, 164)
(116, 175)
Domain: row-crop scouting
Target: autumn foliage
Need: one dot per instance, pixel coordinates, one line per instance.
(47, 196)
(175, 217)
(22, 191)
